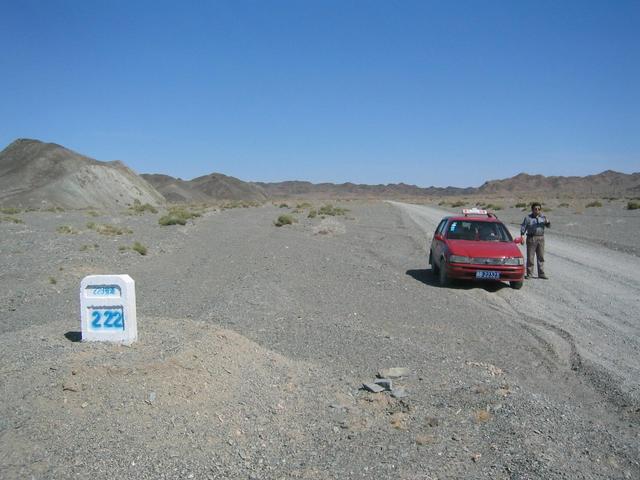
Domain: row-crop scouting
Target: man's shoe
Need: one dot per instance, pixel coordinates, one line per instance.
(527, 276)
(543, 276)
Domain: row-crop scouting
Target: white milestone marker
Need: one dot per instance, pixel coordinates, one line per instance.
(108, 309)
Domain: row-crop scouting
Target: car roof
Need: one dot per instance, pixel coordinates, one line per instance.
(475, 218)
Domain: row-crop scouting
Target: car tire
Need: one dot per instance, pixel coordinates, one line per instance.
(443, 277)
(516, 285)
(434, 267)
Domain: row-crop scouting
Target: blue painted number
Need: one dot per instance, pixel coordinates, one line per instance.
(107, 319)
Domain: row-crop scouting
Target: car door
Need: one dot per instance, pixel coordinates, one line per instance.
(437, 245)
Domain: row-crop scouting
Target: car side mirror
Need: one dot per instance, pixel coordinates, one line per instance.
(439, 237)
(519, 240)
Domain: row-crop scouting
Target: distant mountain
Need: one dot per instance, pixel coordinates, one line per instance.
(605, 183)
(37, 174)
(212, 187)
(391, 190)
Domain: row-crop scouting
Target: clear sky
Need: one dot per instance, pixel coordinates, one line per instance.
(422, 92)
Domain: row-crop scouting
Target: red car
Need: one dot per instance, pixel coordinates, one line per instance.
(476, 246)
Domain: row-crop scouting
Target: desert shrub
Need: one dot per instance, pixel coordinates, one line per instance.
(93, 213)
(52, 280)
(303, 206)
(595, 204)
(138, 247)
(283, 205)
(109, 230)
(284, 220)
(458, 203)
(330, 210)
(178, 216)
(10, 210)
(139, 208)
(11, 219)
(85, 247)
(563, 205)
(65, 229)
(312, 213)
(54, 209)
(633, 205)
(520, 205)
(492, 206)
(442, 203)
(122, 248)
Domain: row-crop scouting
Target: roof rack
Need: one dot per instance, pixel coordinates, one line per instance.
(476, 211)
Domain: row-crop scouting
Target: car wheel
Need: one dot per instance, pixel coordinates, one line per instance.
(516, 285)
(443, 277)
(434, 267)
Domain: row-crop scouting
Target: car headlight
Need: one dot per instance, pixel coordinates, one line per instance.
(514, 261)
(459, 259)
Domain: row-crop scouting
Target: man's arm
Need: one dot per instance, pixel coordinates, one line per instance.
(523, 226)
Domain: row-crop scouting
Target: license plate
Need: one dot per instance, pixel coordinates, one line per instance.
(487, 275)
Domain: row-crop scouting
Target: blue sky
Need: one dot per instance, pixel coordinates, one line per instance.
(427, 92)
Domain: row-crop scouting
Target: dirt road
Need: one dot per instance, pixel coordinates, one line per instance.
(588, 310)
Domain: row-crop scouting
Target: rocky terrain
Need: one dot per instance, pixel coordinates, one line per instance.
(34, 174)
(255, 342)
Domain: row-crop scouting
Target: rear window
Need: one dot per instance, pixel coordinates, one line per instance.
(478, 231)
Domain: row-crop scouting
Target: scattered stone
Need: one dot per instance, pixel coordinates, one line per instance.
(433, 421)
(84, 405)
(481, 416)
(70, 387)
(385, 383)
(394, 372)
(475, 457)
(151, 398)
(399, 393)
(372, 387)
(425, 439)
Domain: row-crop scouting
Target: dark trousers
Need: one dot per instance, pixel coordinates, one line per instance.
(535, 247)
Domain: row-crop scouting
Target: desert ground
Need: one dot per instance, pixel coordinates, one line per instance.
(255, 341)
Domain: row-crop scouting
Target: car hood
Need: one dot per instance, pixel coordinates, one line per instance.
(468, 248)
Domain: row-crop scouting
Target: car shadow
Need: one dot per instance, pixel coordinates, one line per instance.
(427, 277)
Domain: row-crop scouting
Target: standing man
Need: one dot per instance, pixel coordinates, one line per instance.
(533, 225)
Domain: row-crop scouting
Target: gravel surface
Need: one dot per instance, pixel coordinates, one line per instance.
(255, 342)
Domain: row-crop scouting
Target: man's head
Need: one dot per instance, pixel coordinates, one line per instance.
(536, 207)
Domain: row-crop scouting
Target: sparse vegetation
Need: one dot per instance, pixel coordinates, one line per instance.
(330, 210)
(178, 216)
(139, 208)
(633, 205)
(93, 213)
(10, 210)
(54, 209)
(313, 213)
(239, 204)
(594, 204)
(284, 220)
(122, 248)
(303, 206)
(563, 205)
(52, 280)
(520, 205)
(492, 206)
(283, 205)
(11, 219)
(66, 230)
(458, 203)
(140, 248)
(109, 230)
(85, 247)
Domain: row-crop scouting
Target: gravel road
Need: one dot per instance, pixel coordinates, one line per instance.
(255, 342)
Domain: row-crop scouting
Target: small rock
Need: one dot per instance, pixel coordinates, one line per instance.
(395, 372)
(372, 387)
(475, 457)
(151, 398)
(84, 405)
(385, 383)
(70, 387)
(399, 393)
(433, 421)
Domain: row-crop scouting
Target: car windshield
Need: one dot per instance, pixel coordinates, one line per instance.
(478, 231)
